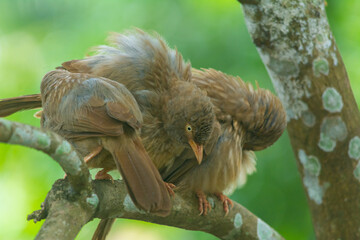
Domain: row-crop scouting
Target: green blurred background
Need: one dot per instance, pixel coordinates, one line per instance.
(38, 35)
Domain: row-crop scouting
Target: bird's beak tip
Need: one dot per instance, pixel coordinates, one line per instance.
(198, 150)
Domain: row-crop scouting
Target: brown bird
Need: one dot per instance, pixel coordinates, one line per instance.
(246, 119)
(175, 109)
(249, 120)
(102, 120)
(177, 114)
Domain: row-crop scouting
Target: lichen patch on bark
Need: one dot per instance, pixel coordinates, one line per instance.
(332, 100)
(130, 206)
(357, 172)
(93, 200)
(308, 118)
(332, 129)
(312, 169)
(238, 220)
(354, 148)
(264, 232)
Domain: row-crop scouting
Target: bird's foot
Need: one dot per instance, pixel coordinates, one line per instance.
(170, 187)
(103, 174)
(204, 205)
(226, 202)
(93, 153)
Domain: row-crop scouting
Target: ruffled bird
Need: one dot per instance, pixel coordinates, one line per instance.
(248, 120)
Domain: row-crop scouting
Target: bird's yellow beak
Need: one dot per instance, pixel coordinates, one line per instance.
(198, 150)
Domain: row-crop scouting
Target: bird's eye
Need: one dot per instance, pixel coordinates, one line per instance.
(188, 128)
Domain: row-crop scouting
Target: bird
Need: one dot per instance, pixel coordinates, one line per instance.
(239, 119)
(178, 116)
(226, 118)
(247, 120)
(102, 120)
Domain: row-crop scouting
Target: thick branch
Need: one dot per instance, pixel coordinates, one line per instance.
(64, 221)
(297, 47)
(114, 202)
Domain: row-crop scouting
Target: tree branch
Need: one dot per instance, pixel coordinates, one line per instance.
(115, 202)
(53, 145)
(63, 220)
(66, 210)
(298, 49)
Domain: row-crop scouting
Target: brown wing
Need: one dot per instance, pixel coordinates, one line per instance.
(257, 112)
(105, 120)
(85, 105)
(122, 113)
(95, 121)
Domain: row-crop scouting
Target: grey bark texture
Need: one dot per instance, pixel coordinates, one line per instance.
(299, 51)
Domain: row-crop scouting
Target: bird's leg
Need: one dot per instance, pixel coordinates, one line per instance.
(170, 187)
(204, 205)
(103, 174)
(93, 153)
(226, 202)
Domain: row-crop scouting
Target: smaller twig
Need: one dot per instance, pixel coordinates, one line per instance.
(53, 145)
(37, 215)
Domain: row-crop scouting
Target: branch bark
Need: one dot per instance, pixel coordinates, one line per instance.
(53, 145)
(73, 202)
(115, 202)
(299, 51)
(64, 218)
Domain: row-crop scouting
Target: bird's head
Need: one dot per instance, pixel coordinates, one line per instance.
(189, 117)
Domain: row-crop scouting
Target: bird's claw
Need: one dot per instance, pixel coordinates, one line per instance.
(170, 187)
(226, 202)
(204, 205)
(103, 174)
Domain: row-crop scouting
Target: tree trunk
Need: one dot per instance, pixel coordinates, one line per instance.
(299, 51)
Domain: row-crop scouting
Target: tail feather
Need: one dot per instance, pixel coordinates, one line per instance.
(103, 229)
(144, 183)
(9, 106)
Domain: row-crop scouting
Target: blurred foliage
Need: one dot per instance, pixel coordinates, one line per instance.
(38, 35)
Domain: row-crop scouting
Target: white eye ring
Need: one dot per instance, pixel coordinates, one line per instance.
(188, 128)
